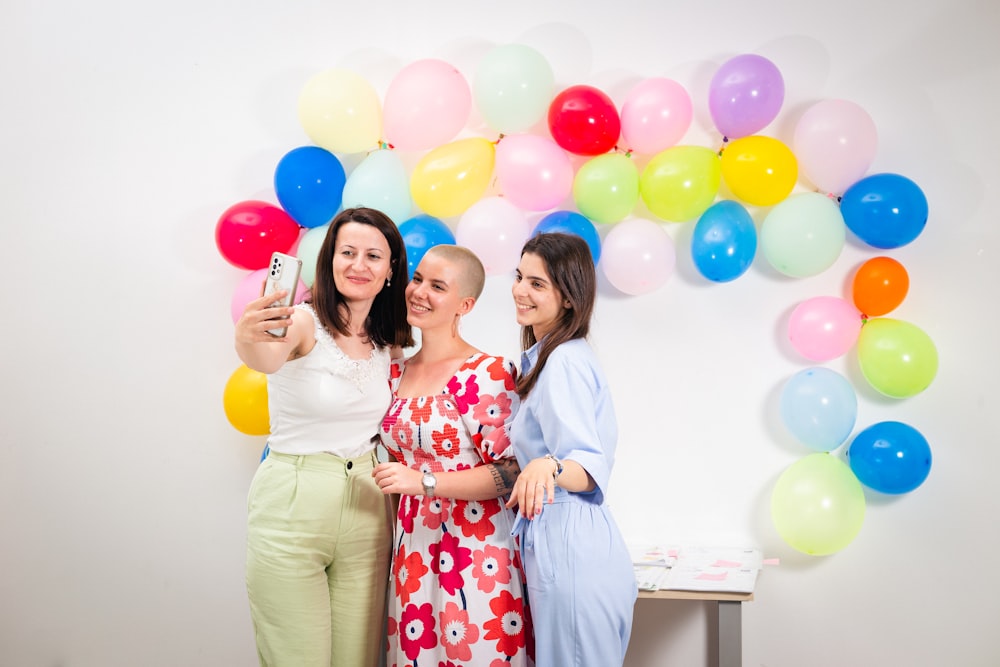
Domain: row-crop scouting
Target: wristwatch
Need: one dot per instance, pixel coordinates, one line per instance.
(430, 482)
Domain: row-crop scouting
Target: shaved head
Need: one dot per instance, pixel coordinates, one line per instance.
(471, 274)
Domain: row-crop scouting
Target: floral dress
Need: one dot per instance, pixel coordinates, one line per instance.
(457, 594)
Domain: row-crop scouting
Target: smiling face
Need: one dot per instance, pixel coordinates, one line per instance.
(538, 303)
(435, 295)
(361, 262)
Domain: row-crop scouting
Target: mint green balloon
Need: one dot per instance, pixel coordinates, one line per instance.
(680, 183)
(380, 181)
(606, 187)
(897, 358)
(803, 235)
(818, 505)
(308, 250)
(513, 86)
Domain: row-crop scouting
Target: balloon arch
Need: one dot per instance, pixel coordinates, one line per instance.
(818, 502)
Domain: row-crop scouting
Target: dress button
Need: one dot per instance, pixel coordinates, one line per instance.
(350, 464)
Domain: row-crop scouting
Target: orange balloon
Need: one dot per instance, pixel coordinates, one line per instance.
(880, 285)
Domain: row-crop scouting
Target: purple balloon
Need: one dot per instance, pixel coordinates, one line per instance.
(745, 95)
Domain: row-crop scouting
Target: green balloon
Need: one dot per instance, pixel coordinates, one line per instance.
(680, 183)
(606, 188)
(513, 86)
(818, 505)
(897, 358)
(803, 235)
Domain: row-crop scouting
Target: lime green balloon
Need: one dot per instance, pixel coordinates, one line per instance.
(897, 358)
(606, 188)
(680, 183)
(818, 505)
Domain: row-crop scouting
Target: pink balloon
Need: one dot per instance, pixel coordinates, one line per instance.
(426, 105)
(251, 287)
(824, 327)
(637, 256)
(835, 142)
(533, 171)
(495, 230)
(656, 114)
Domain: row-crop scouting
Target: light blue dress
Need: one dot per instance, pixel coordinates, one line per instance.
(581, 585)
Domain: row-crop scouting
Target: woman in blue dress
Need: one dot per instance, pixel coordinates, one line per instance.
(579, 576)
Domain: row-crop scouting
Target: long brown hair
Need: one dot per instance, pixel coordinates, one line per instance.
(570, 266)
(386, 322)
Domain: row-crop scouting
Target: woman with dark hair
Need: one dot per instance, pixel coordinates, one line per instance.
(578, 571)
(319, 530)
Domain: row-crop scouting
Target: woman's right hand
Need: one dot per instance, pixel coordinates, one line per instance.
(256, 319)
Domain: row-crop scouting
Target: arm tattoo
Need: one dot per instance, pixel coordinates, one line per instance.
(504, 473)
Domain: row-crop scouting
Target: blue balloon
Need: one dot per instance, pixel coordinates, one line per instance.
(819, 407)
(724, 242)
(885, 210)
(890, 457)
(267, 450)
(309, 182)
(570, 222)
(421, 233)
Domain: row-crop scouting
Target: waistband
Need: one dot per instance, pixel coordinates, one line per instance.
(522, 527)
(329, 462)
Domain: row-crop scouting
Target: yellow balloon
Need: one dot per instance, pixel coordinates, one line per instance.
(453, 177)
(341, 112)
(245, 401)
(759, 170)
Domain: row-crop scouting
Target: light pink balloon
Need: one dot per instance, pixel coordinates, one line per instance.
(835, 142)
(426, 105)
(251, 287)
(638, 256)
(824, 327)
(655, 115)
(533, 171)
(495, 230)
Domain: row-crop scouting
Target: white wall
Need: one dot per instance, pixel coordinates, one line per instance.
(127, 128)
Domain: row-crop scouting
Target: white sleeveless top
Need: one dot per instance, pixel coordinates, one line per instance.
(326, 401)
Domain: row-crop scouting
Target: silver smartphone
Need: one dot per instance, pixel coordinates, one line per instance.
(282, 274)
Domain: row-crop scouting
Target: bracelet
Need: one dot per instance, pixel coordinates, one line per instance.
(559, 465)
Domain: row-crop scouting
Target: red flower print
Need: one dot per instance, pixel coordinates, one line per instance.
(421, 408)
(446, 441)
(500, 370)
(417, 629)
(507, 624)
(422, 456)
(450, 558)
(473, 517)
(434, 512)
(392, 416)
(491, 566)
(402, 437)
(407, 570)
(492, 410)
(464, 396)
(446, 406)
(395, 371)
(408, 509)
(457, 633)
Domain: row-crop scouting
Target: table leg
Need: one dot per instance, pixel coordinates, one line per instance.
(730, 626)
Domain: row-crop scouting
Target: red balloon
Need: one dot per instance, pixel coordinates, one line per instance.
(248, 232)
(584, 121)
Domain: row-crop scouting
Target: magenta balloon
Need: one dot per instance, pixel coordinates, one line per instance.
(824, 327)
(745, 94)
(835, 142)
(656, 114)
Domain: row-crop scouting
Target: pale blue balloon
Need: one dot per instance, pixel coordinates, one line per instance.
(803, 235)
(819, 407)
(380, 181)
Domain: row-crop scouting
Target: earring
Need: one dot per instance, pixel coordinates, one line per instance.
(387, 282)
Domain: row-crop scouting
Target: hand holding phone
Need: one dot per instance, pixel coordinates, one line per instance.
(283, 274)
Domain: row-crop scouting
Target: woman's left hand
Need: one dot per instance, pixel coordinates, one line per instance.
(397, 478)
(534, 485)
